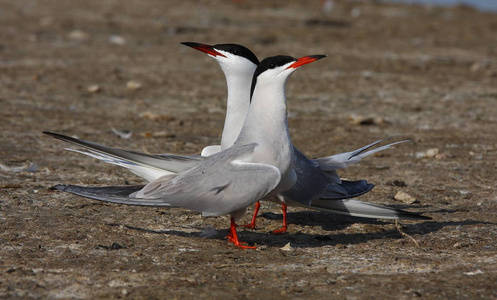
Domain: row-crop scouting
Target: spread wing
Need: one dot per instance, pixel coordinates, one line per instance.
(144, 165)
(113, 194)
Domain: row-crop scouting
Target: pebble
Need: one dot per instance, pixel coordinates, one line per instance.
(156, 117)
(117, 40)
(78, 35)
(430, 153)
(133, 85)
(93, 89)
(405, 198)
(287, 247)
(473, 272)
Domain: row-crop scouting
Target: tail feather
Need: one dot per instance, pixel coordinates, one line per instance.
(342, 160)
(356, 157)
(361, 209)
(113, 194)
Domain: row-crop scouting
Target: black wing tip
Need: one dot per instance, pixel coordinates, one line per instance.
(49, 133)
(57, 135)
(59, 187)
(354, 154)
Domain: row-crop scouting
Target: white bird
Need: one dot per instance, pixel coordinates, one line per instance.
(238, 64)
(259, 164)
(315, 178)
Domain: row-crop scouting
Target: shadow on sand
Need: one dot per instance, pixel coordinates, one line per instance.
(328, 222)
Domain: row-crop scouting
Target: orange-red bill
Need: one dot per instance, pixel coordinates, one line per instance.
(204, 48)
(305, 60)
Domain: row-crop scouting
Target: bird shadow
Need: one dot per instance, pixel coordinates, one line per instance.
(328, 222)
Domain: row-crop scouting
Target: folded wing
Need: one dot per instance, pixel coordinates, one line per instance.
(223, 184)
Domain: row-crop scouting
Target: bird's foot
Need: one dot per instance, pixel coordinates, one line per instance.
(280, 231)
(243, 245)
(233, 237)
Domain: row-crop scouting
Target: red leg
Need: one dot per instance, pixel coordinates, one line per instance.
(285, 225)
(233, 237)
(256, 211)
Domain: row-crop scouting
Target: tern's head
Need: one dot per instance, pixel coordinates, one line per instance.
(278, 68)
(231, 57)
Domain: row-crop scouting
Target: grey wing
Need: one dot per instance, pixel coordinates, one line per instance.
(311, 181)
(214, 192)
(222, 184)
(113, 194)
(145, 165)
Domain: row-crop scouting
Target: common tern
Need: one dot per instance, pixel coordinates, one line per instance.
(238, 64)
(316, 179)
(259, 164)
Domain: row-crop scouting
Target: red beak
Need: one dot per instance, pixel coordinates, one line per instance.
(204, 48)
(305, 60)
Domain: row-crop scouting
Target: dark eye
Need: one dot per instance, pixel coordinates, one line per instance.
(271, 66)
(235, 52)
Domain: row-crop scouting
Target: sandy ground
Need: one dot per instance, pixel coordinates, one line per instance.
(426, 74)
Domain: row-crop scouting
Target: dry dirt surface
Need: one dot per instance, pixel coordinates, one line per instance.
(83, 67)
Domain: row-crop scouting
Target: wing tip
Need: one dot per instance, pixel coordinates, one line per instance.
(52, 134)
(58, 187)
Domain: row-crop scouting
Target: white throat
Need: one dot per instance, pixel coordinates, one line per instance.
(267, 125)
(237, 104)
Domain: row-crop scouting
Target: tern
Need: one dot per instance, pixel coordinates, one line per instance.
(239, 64)
(315, 178)
(259, 164)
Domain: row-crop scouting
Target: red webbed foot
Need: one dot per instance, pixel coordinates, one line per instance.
(233, 237)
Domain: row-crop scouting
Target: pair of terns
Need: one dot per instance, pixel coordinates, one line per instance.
(256, 158)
